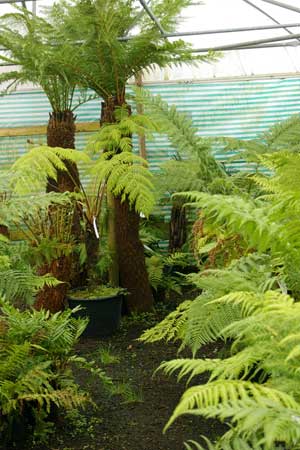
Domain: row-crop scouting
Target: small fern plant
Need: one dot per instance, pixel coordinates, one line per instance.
(18, 282)
(36, 359)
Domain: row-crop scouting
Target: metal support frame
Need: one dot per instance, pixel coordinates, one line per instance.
(262, 11)
(260, 43)
(292, 39)
(226, 30)
(10, 2)
(282, 5)
(152, 16)
(257, 42)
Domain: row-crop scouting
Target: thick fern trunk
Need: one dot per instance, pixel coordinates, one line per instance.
(130, 251)
(178, 228)
(132, 267)
(4, 230)
(61, 133)
(53, 298)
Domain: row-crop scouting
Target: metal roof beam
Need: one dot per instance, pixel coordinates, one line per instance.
(233, 30)
(255, 43)
(248, 2)
(282, 5)
(15, 1)
(152, 16)
(249, 47)
(224, 30)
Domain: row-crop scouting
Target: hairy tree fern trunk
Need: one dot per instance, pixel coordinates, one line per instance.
(4, 230)
(132, 267)
(178, 227)
(130, 251)
(61, 133)
(52, 298)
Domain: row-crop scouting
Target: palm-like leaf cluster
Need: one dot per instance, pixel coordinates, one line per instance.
(103, 60)
(33, 47)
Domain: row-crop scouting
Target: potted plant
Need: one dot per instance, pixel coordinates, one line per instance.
(102, 305)
(116, 171)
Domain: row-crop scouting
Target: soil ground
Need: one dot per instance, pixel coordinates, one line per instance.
(135, 420)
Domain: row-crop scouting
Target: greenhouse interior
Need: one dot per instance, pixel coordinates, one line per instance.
(150, 225)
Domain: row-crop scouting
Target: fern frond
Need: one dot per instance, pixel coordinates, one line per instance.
(233, 396)
(181, 133)
(127, 177)
(23, 285)
(171, 328)
(31, 171)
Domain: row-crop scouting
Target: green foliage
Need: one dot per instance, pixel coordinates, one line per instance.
(172, 328)
(163, 271)
(95, 292)
(280, 137)
(268, 224)
(104, 61)
(106, 355)
(116, 137)
(178, 175)
(18, 282)
(234, 444)
(129, 393)
(257, 387)
(30, 172)
(45, 220)
(33, 44)
(36, 358)
(127, 177)
(201, 321)
(182, 135)
(23, 285)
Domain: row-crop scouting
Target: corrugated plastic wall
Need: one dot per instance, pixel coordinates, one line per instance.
(242, 109)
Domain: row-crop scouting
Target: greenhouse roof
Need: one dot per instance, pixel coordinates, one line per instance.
(257, 37)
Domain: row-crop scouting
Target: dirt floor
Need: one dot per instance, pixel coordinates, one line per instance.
(134, 420)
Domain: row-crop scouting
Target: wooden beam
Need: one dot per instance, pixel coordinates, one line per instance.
(81, 127)
(140, 110)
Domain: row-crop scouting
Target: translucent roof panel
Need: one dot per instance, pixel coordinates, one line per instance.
(214, 15)
(211, 24)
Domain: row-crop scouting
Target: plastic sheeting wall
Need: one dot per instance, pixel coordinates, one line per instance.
(243, 109)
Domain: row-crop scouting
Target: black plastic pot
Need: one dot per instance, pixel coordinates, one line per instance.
(104, 314)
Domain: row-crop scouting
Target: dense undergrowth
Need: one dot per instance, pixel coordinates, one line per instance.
(233, 238)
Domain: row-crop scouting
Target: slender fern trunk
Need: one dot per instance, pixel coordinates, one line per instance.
(133, 274)
(61, 133)
(177, 227)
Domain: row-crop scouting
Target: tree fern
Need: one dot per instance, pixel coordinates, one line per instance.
(33, 44)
